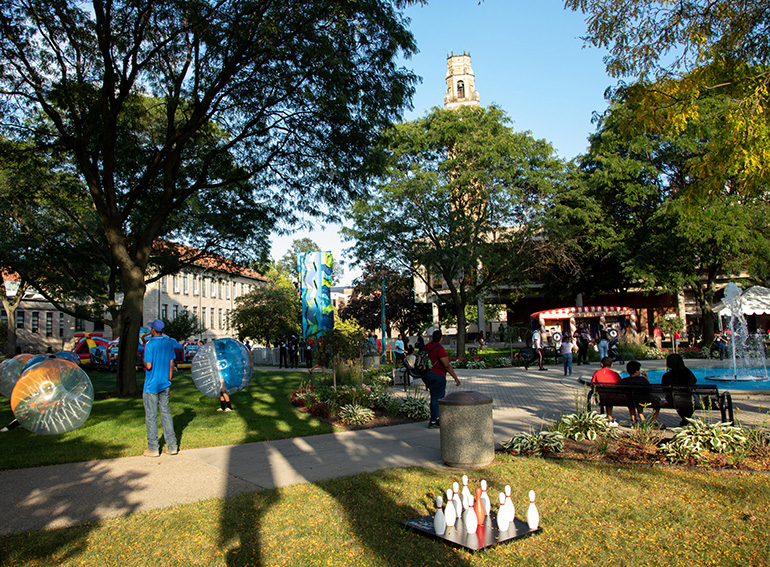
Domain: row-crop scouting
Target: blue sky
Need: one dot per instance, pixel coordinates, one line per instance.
(527, 57)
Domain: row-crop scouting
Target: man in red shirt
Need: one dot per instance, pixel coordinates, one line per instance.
(606, 375)
(435, 378)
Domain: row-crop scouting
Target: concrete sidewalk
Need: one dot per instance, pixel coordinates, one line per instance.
(71, 494)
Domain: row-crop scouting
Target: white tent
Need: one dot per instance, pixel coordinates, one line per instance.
(754, 301)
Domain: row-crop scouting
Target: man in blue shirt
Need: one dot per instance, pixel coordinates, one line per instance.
(159, 364)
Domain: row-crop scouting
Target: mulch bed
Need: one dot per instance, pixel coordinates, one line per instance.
(625, 451)
(380, 420)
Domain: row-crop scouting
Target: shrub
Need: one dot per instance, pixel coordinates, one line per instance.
(535, 443)
(304, 396)
(387, 403)
(353, 414)
(693, 442)
(323, 409)
(415, 408)
(584, 425)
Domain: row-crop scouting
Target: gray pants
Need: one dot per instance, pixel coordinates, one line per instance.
(152, 402)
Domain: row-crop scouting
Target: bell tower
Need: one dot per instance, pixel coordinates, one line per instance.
(460, 82)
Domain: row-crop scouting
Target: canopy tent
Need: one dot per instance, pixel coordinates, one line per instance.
(586, 312)
(754, 301)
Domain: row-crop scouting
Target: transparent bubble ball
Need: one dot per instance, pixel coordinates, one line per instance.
(222, 363)
(54, 396)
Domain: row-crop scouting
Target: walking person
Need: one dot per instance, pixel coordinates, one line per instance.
(159, 365)
(537, 345)
(435, 378)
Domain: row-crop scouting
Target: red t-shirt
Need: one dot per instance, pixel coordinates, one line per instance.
(605, 376)
(436, 351)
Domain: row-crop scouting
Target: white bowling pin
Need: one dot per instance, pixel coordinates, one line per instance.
(533, 516)
(509, 510)
(439, 522)
(450, 516)
(485, 498)
(471, 523)
(456, 499)
(466, 494)
(502, 515)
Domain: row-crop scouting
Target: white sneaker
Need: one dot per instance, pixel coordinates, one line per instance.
(613, 423)
(228, 409)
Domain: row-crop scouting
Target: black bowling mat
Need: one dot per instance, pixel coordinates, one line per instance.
(486, 536)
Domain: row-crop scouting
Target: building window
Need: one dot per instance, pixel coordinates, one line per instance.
(48, 324)
(80, 325)
(460, 89)
(176, 311)
(219, 318)
(213, 287)
(163, 284)
(35, 322)
(164, 311)
(227, 287)
(61, 324)
(20, 319)
(175, 280)
(3, 316)
(99, 326)
(203, 316)
(184, 284)
(212, 318)
(203, 286)
(195, 285)
(195, 312)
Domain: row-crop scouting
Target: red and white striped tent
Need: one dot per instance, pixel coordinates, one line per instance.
(589, 311)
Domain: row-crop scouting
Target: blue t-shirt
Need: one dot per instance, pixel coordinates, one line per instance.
(159, 351)
(399, 346)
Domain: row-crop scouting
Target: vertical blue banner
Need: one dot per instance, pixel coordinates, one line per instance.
(315, 277)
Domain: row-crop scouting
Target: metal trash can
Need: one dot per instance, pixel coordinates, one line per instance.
(467, 430)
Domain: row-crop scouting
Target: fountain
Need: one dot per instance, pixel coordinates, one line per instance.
(747, 351)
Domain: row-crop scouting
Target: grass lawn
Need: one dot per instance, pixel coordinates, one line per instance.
(116, 428)
(591, 513)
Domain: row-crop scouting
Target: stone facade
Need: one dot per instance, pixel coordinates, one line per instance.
(460, 82)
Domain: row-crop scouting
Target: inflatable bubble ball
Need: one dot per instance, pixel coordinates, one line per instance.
(222, 360)
(10, 371)
(54, 396)
(68, 355)
(36, 359)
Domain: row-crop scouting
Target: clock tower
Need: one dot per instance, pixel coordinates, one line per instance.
(460, 82)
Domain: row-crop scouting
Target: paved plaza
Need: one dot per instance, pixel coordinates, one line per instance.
(71, 494)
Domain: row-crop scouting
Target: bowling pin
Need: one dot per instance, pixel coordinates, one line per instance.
(471, 523)
(533, 516)
(439, 522)
(509, 510)
(478, 507)
(485, 498)
(450, 516)
(502, 516)
(509, 507)
(466, 495)
(456, 499)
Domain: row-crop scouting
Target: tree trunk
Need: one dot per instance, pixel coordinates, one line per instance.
(10, 344)
(131, 321)
(461, 324)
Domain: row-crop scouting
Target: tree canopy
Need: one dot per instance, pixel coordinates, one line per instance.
(205, 121)
(268, 312)
(458, 205)
(677, 54)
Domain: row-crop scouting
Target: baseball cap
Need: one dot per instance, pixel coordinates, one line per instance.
(158, 325)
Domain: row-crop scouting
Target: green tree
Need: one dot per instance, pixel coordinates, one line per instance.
(10, 306)
(401, 311)
(268, 312)
(202, 120)
(680, 53)
(458, 205)
(183, 326)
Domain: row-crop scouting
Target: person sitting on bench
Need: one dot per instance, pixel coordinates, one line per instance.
(679, 376)
(638, 379)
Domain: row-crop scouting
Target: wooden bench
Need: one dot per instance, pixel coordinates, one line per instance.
(655, 396)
